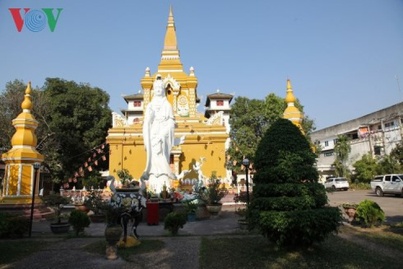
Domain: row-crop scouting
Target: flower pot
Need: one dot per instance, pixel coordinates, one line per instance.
(113, 234)
(191, 216)
(59, 228)
(243, 224)
(214, 209)
(83, 208)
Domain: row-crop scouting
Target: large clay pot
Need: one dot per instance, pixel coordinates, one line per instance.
(191, 216)
(83, 208)
(243, 224)
(214, 209)
(59, 228)
(112, 236)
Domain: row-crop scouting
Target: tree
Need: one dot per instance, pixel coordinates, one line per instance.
(73, 119)
(365, 168)
(288, 204)
(388, 165)
(248, 124)
(397, 152)
(249, 120)
(342, 149)
(79, 118)
(10, 107)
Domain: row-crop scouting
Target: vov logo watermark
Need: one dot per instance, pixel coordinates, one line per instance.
(35, 20)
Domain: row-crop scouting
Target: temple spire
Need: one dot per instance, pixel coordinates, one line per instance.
(20, 159)
(170, 57)
(292, 113)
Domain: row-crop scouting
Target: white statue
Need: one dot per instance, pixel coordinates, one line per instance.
(197, 168)
(158, 135)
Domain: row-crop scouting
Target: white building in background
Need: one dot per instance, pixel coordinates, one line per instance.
(376, 133)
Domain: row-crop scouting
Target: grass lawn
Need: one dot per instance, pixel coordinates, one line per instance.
(13, 250)
(335, 252)
(364, 248)
(146, 246)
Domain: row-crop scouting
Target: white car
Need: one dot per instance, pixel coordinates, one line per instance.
(337, 183)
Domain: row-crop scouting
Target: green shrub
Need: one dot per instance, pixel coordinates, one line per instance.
(289, 205)
(173, 221)
(369, 213)
(299, 227)
(13, 226)
(79, 220)
(360, 186)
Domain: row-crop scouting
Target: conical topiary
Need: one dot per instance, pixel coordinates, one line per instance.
(289, 205)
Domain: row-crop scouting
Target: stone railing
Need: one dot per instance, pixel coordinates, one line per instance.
(78, 196)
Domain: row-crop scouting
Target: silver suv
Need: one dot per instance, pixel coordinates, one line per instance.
(337, 183)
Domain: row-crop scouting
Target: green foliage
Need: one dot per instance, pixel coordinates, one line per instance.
(56, 202)
(191, 205)
(365, 168)
(214, 192)
(79, 220)
(397, 153)
(369, 213)
(288, 195)
(124, 176)
(388, 165)
(288, 205)
(92, 181)
(10, 106)
(249, 120)
(79, 117)
(96, 203)
(112, 214)
(12, 225)
(173, 221)
(284, 155)
(299, 227)
(360, 186)
(342, 149)
(73, 119)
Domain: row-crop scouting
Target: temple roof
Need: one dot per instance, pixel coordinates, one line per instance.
(136, 96)
(218, 95)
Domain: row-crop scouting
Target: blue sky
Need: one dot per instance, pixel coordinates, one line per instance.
(344, 57)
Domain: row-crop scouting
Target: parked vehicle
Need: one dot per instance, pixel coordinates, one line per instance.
(337, 183)
(387, 184)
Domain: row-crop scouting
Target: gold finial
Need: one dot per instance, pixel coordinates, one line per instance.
(290, 98)
(27, 103)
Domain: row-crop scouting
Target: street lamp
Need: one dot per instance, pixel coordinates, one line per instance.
(246, 163)
(36, 167)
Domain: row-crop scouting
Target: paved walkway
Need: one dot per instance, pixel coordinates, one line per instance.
(179, 252)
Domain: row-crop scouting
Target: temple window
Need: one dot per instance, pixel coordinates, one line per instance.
(137, 103)
(220, 102)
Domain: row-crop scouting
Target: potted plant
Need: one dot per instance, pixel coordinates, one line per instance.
(113, 230)
(190, 208)
(56, 203)
(126, 179)
(173, 221)
(96, 203)
(349, 211)
(242, 221)
(213, 194)
(79, 220)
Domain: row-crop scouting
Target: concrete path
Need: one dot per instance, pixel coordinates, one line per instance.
(179, 252)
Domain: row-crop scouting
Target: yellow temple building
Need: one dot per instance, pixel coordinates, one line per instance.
(205, 136)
